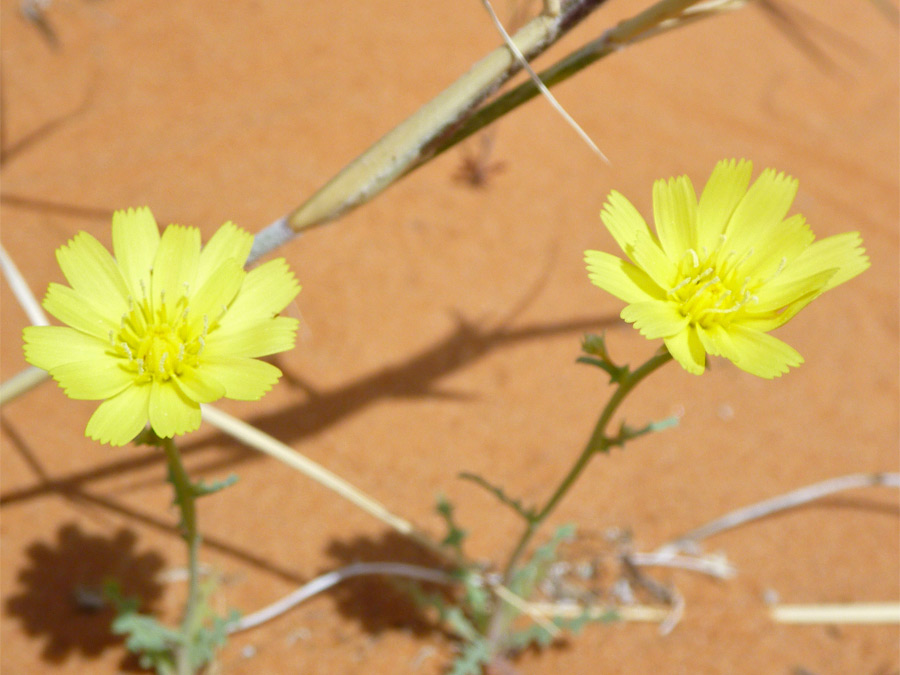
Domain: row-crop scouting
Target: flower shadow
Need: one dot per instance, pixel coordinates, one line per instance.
(420, 375)
(62, 599)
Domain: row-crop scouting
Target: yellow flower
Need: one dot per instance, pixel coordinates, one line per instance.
(163, 326)
(721, 273)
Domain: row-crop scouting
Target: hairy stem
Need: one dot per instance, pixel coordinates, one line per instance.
(599, 441)
(185, 498)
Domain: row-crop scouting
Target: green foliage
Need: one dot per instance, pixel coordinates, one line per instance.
(469, 613)
(597, 355)
(202, 489)
(153, 643)
(472, 657)
(156, 645)
(207, 640)
(527, 577)
(627, 433)
(455, 534)
(514, 504)
(540, 636)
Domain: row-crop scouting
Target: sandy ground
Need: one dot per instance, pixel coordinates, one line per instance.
(441, 323)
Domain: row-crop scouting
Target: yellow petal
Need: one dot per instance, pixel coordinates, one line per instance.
(171, 412)
(763, 208)
(774, 296)
(252, 339)
(266, 290)
(93, 379)
(80, 313)
(757, 353)
(198, 385)
(648, 255)
(623, 221)
(675, 215)
(784, 243)
(621, 278)
(175, 267)
(244, 379)
(92, 273)
(725, 188)
(686, 348)
(842, 252)
(767, 321)
(135, 238)
(50, 346)
(655, 319)
(229, 242)
(118, 420)
(216, 294)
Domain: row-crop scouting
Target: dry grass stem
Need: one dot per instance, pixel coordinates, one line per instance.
(860, 613)
(326, 581)
(261, 441)
(21, 291)
(688, 542)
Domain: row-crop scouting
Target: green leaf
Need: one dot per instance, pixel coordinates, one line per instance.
(148, 437)
(202, 489)
(531, 573)
(473, 656)
(540, 636)
(597, 355)
(150, 640)
(534, 634)
(514, 504)
(208, 640)
(113, 594)
(455, 534)
(627, 433)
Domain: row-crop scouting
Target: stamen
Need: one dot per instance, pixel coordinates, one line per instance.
(694, 257)
(162, 363)
(128, 351)
(681, 284)
(705, 273)
(140, 365)
(722, 297)
(750, 252)
(700, 290)
(780, 269)
(180, 352)
(112, 340)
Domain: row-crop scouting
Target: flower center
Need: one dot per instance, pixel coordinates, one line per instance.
(713, 287)
(158, 340)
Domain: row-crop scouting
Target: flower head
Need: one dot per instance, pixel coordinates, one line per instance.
(719, 274)
(163, 326)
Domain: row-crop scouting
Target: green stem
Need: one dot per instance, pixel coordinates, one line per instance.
(185, 497)
(598, 442)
